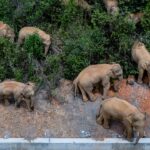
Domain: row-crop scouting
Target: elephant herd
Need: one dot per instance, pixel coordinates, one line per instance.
(110, 108)
(8, 32)
(115, 108)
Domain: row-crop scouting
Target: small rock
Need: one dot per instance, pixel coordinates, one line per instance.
(47, 133)
(7, 134)
(131, 80)
(85, 134)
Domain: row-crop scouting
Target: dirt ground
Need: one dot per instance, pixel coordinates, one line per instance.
(67, 116)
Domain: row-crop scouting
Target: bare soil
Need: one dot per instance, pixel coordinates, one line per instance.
(68, 117)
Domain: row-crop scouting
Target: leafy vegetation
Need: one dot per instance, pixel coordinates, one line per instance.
(86, 37)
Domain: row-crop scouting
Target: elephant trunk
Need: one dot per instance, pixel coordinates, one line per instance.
(141, 134)
(32, 101)
(120, 77)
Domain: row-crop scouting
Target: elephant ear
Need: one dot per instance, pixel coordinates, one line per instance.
(130, 118)
(140, 44)
(115, 68)
(134, 118)
(30, 84)
(24, 91)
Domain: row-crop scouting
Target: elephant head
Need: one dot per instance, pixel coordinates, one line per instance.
(29, 90)
(117, 71)
(138, 44)
(114, 10)
(7, 31)
(137, 120)
(135, 17)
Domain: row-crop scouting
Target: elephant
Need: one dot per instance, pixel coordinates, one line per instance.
(81, 3)
(111, 6)
(94, 74)
(141, 56)
(129, 115)
(19, 91)
(6, 31)
(26, 31)
(135, 17)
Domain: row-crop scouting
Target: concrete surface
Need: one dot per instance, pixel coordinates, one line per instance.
(72, 144)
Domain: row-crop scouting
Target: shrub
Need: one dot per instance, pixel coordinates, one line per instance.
(30, 12)
(70, 14)
(87, 38)
(53, 69)
(34, 46)
(82, 46)
(120, 35)
(16, 63)
(9, 59)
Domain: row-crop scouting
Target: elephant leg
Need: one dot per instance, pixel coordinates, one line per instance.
(125, 132)
(17, 100)
(89, 92)
(129, 133)
(106, 121)
(116, 86)
(85, 99)
(46, 49)
(20, 41)
(6, 101)
(28, 105)
(16, 104)
(105, 89)
(128, 129)
(100, 119)
(32, 103)
(140, 76)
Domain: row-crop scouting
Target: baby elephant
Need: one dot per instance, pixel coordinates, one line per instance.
(142, 57)
(111, 6)
(6, 31)
(19, 91)
(26, 31)
(129, 115)
(94, 74)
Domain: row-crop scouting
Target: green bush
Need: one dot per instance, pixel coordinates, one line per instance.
(30, 12)
(9, 59)
(82, 45)
(120, 35)
(70, 14)
(6, 11)
(132, 6)
(16, 63)
(86, 37)
(34, 46)
(146, 20)
(53, 69)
